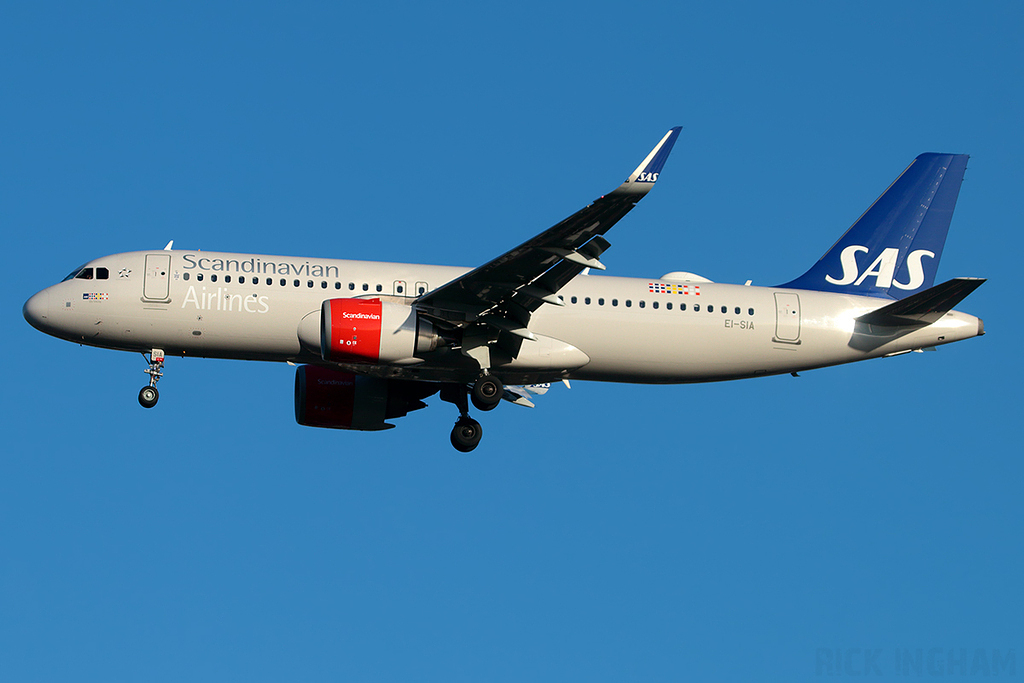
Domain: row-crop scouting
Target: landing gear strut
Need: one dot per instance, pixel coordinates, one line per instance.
(467, 432)
(148, 395)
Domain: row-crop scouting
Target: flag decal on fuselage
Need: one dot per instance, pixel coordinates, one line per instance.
(664, 288)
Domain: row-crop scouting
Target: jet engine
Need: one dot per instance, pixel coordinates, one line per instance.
(373, 331)
(342, 400)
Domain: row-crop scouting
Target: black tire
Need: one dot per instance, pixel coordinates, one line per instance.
(487, 393)
(148, 396)
(466, 434)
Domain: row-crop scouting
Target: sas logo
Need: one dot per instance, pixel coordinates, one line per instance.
(647, 178)
(883, 268)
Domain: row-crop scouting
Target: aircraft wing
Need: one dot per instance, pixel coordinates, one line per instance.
(520, 395)
(503, 292)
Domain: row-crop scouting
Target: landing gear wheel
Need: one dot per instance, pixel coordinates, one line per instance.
(466, 434)
(148, 396)
(487, 393)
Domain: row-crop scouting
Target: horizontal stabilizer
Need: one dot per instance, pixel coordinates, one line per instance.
(925, 307)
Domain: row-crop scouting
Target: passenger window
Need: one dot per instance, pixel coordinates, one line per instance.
(284, 283)
(737, 310)
(654, 305)
(295, 283)
(380, 288)
(628, 303)
(696, 307)
(642, 304)
(323, 284)
(102, 273)
(615, 302)
(213, 277)
(184, 276)
(711, 309)
(682, 307)
(725, 309)
(750, 311)
(241, 279)
(587, 301)
(573, 300)
(600, 302)
(351, 286)
(337, 285)
(366, 287)
(309, 283)
(668, 306)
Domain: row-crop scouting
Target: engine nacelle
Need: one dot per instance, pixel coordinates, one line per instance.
(341, 400)
(373, 331)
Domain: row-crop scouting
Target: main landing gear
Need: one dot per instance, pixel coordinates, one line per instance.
(486, 394)
(466, 434)
(148, 395)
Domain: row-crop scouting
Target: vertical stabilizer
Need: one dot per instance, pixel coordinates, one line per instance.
(893, 250)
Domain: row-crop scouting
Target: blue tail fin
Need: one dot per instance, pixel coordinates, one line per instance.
(893, 250)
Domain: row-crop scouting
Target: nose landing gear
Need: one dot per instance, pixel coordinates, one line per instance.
(148, 395)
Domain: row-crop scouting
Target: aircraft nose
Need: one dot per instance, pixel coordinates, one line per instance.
(37, 309)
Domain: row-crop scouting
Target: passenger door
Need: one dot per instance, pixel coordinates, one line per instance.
(157, 284)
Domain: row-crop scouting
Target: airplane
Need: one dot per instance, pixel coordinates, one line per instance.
(372, 340)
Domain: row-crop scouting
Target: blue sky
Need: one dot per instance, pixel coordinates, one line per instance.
(617, 532)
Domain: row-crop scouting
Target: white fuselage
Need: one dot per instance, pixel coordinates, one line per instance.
(221, 305)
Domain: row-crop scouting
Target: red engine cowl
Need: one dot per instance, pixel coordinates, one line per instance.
(373, 331)
(341, 400)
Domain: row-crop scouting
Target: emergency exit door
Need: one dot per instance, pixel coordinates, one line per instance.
(787, 317)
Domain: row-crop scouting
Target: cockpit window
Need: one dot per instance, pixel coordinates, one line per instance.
(79, 274)
(73, 274)
(83, 273)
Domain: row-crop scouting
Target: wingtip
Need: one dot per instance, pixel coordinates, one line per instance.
(646, 174)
